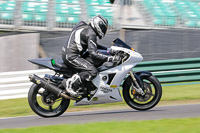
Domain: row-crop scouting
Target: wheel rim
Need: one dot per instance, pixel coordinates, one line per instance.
(150, 96)
(39, 104)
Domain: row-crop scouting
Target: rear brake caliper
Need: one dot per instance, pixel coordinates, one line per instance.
(48, 98)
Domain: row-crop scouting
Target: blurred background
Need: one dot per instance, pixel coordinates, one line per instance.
(158, 29)
(165, 32)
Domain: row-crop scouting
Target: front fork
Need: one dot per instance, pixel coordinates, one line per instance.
(137, 88)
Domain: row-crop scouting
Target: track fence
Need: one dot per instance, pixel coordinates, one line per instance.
(52, 14)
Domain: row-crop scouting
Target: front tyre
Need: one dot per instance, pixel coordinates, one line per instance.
(45, 103)
(152, 90)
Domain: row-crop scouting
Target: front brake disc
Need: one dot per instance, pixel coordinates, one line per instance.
(147, 91)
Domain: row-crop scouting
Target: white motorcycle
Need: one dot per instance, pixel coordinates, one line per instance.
(141, 90)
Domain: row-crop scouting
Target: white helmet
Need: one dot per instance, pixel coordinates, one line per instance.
(99, 25)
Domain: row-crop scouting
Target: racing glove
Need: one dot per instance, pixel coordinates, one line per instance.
(111, 51)
(114, 59)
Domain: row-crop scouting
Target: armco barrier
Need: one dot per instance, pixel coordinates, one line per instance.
(175, 70)
(16, 84)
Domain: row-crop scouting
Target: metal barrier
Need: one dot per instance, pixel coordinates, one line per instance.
(174, 70)
(16, 84)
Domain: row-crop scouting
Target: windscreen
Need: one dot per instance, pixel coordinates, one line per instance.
(118, 42)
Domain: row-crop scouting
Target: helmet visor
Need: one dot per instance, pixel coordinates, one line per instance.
(103, 27)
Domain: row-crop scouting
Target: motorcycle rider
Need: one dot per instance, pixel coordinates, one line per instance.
(83, 41)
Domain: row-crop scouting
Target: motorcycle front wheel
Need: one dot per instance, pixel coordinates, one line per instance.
(152, 90)
(45, 103)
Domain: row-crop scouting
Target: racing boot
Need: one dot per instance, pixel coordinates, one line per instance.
(72, 85)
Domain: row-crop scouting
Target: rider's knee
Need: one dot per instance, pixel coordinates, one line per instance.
(93, 72)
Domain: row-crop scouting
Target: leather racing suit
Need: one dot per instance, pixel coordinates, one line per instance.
(81, 42)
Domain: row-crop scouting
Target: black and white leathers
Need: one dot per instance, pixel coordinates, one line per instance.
(81, 40)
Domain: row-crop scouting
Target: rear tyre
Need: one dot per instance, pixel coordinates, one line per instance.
(38, 99)
(153, 93)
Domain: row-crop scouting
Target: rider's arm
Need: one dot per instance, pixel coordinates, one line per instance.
(101, 47)
(92, 48)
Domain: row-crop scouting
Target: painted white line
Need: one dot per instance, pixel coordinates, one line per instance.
(5, 118)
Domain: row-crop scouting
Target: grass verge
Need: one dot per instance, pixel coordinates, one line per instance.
(187, 125)
(180, 94)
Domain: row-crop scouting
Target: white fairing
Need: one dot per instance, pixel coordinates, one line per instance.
(109, 92)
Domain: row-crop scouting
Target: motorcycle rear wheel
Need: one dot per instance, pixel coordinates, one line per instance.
(153, 93)
(37, 104)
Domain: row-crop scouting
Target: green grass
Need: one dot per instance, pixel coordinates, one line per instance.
(187, 125)
(20, 107)
(15, 107)
(181, 92)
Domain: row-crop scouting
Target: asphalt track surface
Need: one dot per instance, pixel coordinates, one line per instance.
(160, 112)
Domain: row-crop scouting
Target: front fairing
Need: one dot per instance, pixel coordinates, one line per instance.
(134, 57)
(119, 45)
